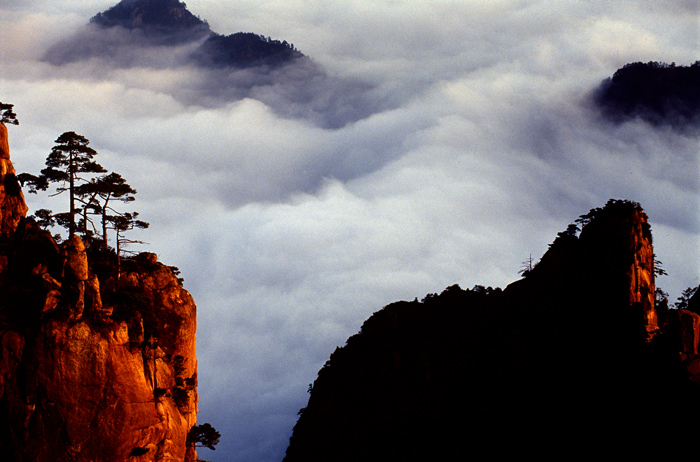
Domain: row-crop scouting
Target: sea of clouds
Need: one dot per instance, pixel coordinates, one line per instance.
(422, 144)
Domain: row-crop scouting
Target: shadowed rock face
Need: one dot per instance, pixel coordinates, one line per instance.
(572, 362)
(92, 367)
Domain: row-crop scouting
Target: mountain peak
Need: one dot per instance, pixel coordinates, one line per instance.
(153, 16)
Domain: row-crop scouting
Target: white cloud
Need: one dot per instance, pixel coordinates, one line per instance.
(448, 142)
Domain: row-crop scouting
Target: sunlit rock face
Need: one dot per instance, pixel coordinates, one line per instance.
(619, 237)
(572, 362)
(12, 206)
(95, 364)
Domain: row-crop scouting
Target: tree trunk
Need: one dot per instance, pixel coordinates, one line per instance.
(71, 175)
(119, 257)
(104, 224)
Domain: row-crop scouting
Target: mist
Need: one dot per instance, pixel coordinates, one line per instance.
(417, 146)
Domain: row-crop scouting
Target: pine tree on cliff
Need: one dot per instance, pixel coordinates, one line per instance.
(120, 224)
(97, 196)
(67, 165)
(204, 436)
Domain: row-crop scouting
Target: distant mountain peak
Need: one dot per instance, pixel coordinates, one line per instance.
(159, 16)
(169, 22)
(657, 93)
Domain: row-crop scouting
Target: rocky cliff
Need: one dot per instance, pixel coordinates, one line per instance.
(573, 362)
(94, 365)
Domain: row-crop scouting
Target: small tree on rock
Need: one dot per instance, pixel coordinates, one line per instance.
(122, 223)
(204, 436)
(7, 116)
(527, 266)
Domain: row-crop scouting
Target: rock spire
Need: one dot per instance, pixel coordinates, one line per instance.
(12, 205)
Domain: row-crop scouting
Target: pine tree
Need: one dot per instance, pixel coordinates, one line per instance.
(98, 195)
(120, 224)
(69, 164)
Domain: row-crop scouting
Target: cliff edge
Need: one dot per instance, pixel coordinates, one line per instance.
(94, 365)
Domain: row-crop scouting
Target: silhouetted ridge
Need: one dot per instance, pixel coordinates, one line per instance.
(244, 49)
(127, 32)
(569, 363)
(167, 15)
(658, 93)
(167, 20)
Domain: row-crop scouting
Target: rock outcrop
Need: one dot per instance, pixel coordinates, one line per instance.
(94, 365)
(573, 362)
(12, 206)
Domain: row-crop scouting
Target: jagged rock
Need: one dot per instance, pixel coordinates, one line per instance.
(93, 298)
(75, 273)
(175, 312)
(75, 266)
(12, 205)
(4, 143)
(81, 391)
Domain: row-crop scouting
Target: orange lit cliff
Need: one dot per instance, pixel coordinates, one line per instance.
(93, 366)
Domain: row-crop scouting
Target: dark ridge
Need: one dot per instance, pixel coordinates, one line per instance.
(161, 16)
(558, 366)
(244, 49)
(658, 93)
(121, 32)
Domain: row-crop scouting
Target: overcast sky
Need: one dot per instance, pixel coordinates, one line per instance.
(428, 143)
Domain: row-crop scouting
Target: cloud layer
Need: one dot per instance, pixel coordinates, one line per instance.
(426, 144)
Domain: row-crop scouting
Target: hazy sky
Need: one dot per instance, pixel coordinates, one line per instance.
(429, 143)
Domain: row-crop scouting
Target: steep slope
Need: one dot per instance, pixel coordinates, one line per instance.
(94, 366)
(573, 362)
